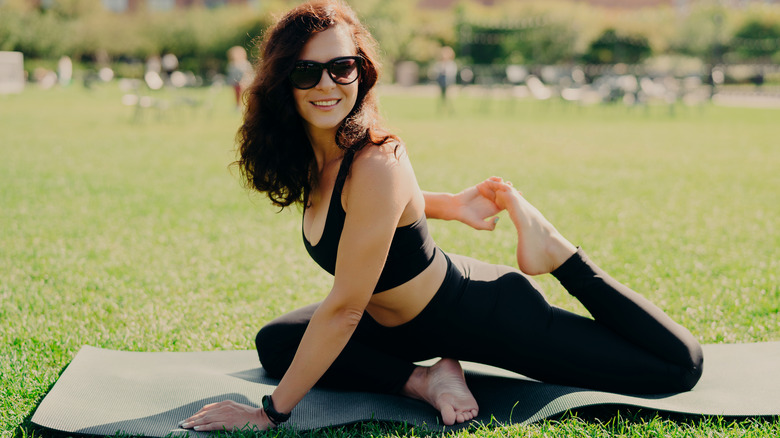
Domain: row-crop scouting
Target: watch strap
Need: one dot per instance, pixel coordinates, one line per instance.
(275, 416)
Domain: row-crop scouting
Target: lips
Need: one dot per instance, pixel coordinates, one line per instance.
(325, 103)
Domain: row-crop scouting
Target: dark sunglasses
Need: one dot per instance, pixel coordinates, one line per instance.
(343, 70)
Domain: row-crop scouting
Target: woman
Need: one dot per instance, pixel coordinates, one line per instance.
(311, 135)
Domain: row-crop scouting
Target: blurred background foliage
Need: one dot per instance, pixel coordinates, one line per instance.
(509, 32)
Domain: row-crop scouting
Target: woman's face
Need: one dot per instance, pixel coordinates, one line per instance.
(325, 106)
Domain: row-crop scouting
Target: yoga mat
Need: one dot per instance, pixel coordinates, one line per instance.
(103, 392)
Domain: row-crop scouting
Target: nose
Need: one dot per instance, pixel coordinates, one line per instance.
(326, 82)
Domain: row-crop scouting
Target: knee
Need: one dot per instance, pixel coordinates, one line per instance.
(272, 352)
(263, 344)
(693, 371)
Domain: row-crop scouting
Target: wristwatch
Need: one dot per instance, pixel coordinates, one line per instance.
(275, 416)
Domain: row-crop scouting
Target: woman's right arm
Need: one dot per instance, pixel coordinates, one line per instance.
(379, 190)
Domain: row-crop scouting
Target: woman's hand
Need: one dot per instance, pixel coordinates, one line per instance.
(476, 204)
(227, 415)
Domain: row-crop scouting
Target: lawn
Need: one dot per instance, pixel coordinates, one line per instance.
(135, 234)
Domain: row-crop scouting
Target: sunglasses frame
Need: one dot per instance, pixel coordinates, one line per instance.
(327, 66)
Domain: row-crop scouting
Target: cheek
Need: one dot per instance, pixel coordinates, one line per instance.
(299, 99)
(352, 97)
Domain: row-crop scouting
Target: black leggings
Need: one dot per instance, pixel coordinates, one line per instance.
(494, 315)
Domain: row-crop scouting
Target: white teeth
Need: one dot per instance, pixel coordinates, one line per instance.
(325, 102)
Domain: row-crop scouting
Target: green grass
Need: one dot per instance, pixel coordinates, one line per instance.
(137, 236)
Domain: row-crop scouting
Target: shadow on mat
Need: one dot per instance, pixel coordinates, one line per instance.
(164, 422)
(517, 400)
(255, 375)
(510, 400)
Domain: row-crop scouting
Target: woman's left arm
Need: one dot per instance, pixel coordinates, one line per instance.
(471, 206)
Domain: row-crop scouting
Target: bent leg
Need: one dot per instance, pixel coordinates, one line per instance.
(359, 367)
(381, 359)
(632, 316)
(631, 321)
(502, 319)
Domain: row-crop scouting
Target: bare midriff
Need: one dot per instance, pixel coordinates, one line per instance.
(401, 304)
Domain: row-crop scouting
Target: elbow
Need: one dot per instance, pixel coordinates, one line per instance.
(341, 317)
(343, 309)
(349, 317)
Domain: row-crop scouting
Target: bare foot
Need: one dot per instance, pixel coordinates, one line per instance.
(443, 386)
(540, 247)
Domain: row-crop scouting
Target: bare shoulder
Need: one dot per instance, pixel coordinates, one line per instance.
(378, 163)
(388, 152)
(381, 174)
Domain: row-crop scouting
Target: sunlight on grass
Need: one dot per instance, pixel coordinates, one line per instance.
(136, 235)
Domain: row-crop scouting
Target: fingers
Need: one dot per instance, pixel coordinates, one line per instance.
(200, 414)
(488, 224)
(204, 423)
(492, 184)
(226, 415)
(209, 427)
(487, 189)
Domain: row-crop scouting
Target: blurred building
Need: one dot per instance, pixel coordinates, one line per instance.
(446, 4)
(151, 5)
(167, 5)
(621, 4)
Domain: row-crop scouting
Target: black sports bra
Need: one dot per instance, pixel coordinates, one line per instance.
(411, 251)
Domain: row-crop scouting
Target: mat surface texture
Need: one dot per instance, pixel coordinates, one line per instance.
(103, 392)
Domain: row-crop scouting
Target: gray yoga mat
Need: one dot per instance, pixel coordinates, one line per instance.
(104, 391)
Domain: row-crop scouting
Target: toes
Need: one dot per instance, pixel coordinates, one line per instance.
(465, 416)
(448, 415)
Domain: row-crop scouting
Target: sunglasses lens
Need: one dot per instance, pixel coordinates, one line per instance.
(306, 74)
(344, 71)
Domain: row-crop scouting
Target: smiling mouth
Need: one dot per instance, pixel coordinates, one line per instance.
(325, 103)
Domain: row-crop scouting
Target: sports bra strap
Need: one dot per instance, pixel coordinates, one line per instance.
(341, 178)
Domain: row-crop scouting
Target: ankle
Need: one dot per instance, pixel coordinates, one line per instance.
(560, 250)
(414, 386)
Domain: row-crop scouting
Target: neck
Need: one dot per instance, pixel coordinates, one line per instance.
(325, 152)
(323, 142)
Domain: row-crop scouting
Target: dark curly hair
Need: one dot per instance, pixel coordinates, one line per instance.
(275, 155)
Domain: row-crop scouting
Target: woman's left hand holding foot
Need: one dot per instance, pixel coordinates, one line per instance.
(477, 203)
(227, 415)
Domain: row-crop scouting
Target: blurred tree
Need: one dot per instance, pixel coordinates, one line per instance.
(548, 43)
(404, 32)
(700, 32)
(612, 48)
(529, 32)
(486, 43)
(73, 9)
(37, 34)
(756, 39)
(11, 28)
(532, 31)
